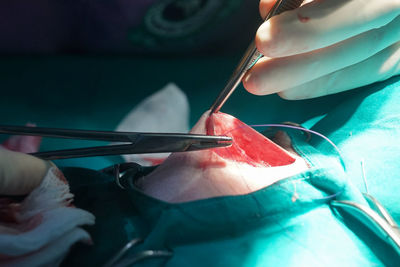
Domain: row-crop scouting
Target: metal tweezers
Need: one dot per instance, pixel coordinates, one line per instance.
(135, 142)
(251, 56)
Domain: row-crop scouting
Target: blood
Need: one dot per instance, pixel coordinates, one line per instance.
(249, 146)
(24, 144)
(302, 19)
(9, 209)
(154, 161)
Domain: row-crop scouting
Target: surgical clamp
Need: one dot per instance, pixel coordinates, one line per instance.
(134, 142)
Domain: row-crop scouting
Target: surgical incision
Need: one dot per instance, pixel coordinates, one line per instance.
(251, 163)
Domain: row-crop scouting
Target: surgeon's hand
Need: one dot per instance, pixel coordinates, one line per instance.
(20, 173)
(325, 47)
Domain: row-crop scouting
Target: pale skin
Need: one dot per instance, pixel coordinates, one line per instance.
(325, 47)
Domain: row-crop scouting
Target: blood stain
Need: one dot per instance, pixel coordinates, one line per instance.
(302, 19)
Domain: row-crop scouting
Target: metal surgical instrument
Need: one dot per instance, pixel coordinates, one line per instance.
(251, 56)
(375, 217)
(118, 259)
(134, 142)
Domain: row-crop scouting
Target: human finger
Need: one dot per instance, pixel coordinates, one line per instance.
(272, 75)
(322, 23)
(20, 173)
(379, 67)
(265, 6)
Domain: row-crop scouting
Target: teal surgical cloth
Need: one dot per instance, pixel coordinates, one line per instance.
(289, 223)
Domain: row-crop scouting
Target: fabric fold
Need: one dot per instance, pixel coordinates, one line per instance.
(40, 229)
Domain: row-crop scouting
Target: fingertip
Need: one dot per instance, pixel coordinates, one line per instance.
(265, 6)
(20, 173)
(263, 38)
(256, 81)
(250, 82)
(268, 39)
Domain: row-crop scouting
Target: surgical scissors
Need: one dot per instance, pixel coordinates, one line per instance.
(134, 142)
(251, 56)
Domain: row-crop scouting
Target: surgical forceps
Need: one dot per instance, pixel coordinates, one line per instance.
(251, 56)
(134, 142)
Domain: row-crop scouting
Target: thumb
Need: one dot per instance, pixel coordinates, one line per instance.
(20, 173)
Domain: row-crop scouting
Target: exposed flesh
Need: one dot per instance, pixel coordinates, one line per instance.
(251, 163)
